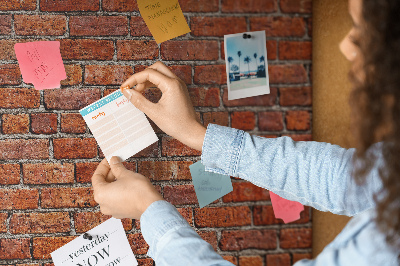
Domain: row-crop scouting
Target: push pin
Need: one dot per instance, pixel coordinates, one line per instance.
(87, 236)
(246, 36)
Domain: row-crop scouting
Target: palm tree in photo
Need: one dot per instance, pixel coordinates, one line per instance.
(261, 68)
(239, 54)
(255, 58)
(262, 58)
(247, 60)
(230, 60)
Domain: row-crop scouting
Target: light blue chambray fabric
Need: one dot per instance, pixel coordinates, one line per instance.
(312, 173)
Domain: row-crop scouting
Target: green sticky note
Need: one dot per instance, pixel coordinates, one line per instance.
(209, 186)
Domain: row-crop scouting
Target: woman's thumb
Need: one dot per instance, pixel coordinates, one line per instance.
(117, 167)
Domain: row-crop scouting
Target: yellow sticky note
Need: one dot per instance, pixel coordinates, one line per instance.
(164, 18)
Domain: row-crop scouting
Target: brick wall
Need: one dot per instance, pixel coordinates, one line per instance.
(48, 154)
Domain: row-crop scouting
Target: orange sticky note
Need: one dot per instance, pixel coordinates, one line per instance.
(164, 18)
(41, 63)
(284, 209)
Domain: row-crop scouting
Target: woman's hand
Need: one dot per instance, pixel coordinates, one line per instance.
(120, 192)
(174, 113)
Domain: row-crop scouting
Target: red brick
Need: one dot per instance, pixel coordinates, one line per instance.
(264, 215)
(186, 213)
(219, 118)
(39, 223)
(84, 171)
(300, 137)
(107, 75)
(17, 5)
(270, 121)
(71, 148)
(136, 50)
(222, 216)
(295, 238)
(298, 120)
(278, 259)
(14, 249)
(209, 237)
(3, 222)
(249, 6)
(98, 25)
(243, 120)
(184, 72)
(86, 49)
(44, 123)
(43, 246)
(24, 149)
(9, 174)
(72, 123)
(189, 50)
(69, 5)
(250, 260)
(296, 6)
(211, 74)
(294, 50)
(15, 124)
(35, 25)
(151, 151)
(262, 100)
(19, 199)
(10, 74)
(78, 197)
(48, 173)
(145, 262)
(301, 256)
(217, 26)
(246, 191)
(279, 26)
(165, 170)
(205, 97)
(180, 194)
(287, 74)
(119, 5)
(295, 96)
(19, 98)
(248, 239)
(74, 75)
(85, 221)
(173, 147)
(70, 99)
(139, 27)
(231, 259)
(199, 6)
(138, 244)
(5, 24)
(309, 26)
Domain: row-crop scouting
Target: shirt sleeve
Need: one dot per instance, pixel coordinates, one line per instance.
(312, 173)
(171, 239)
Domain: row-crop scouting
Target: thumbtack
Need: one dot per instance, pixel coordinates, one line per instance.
(246, 36)
(124, 88)
(87, 236)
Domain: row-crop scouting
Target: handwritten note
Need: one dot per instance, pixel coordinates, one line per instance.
(108, 247)
(284, 209)
(209, 186)
(164, 18)
(118, 126)
(41, 63)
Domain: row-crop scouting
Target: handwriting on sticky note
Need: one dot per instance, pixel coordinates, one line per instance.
(118, 126)
(164, 18)
(108, 246)
(41, 63)
(209, 186)
(284, 209)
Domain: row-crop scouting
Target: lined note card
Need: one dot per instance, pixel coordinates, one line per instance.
(118, 126)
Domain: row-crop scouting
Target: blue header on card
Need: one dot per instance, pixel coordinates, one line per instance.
(100, 103)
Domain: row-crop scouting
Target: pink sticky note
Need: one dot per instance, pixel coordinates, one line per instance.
(284, 209)
(41, 63)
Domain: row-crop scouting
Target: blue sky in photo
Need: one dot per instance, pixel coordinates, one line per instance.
(248, 47)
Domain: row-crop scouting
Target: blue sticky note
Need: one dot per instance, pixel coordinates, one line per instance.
(209, 186)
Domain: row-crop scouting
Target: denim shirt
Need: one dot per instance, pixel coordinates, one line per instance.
(312, 173)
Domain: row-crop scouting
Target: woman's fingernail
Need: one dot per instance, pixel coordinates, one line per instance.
(129, 93)
(115, 160)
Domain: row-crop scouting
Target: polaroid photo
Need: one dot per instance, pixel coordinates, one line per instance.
(246, 64)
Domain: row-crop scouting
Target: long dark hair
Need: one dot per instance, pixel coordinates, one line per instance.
(376, 106)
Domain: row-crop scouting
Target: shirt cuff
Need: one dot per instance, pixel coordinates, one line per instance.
(158, 219)
(222, 147)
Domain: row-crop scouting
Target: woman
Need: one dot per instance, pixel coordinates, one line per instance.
(316, 174)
